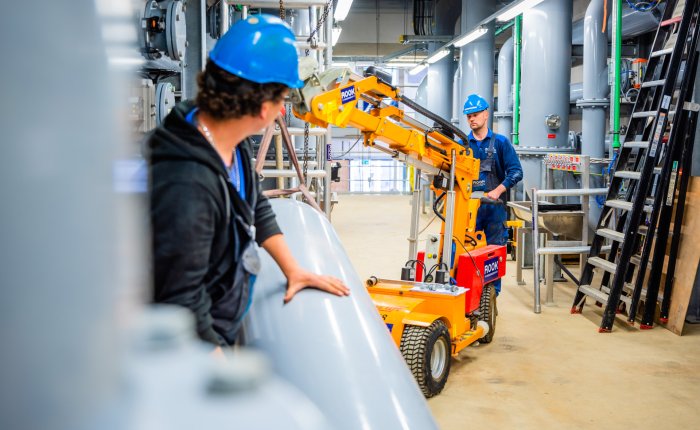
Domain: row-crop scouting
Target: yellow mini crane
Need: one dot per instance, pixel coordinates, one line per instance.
(431, 312)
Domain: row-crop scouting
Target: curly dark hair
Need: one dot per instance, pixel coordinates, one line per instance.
(226, 96)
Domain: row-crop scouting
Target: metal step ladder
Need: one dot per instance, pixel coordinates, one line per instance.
(655, 136)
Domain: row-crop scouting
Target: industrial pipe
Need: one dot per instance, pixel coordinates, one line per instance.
(336, 350)
(477, 57)
(546, 71)
(505, 89)
(440, 73)
(595, 91)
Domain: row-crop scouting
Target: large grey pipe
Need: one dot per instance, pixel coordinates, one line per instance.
(457, 102)
(337, 350)
(67, 272)
(440, 85)
(546, 68)
(595, 92)
(477, 56)
(504, 115)
(440, 74)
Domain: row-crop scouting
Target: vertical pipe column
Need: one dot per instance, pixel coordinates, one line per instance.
(196, 54)
(457, 102)
(595, 91)
(225, 17)
(71, 248)
(505, 89)
(440, 84)
(440, 74)
(477, 57)
(546, 71)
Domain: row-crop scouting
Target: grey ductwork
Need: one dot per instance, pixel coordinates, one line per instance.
(504, 116)
(633, 24)
(336, 350)
(477, 56)
(546, 68)
(595, 92)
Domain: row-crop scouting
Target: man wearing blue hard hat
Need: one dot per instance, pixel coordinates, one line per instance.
(499, 171)
(208, 212)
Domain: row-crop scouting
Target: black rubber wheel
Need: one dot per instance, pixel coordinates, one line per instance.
(428, 352)
(488, 311)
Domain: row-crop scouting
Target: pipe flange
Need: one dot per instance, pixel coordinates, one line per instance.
(592, 103)
(503, 114)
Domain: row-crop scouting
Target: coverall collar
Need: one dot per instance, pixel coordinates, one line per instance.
(489, 136)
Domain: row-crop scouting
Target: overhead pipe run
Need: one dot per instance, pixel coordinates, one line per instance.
(634, 23)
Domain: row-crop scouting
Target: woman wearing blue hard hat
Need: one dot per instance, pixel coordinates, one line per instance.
(499, 170)
(207, 210)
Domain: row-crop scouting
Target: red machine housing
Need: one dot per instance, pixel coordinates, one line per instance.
(478, 268)
(419, 267)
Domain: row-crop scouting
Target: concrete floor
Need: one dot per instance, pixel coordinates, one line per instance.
(552, 370)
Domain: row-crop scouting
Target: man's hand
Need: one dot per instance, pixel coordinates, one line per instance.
(495, 194)
(299, 279)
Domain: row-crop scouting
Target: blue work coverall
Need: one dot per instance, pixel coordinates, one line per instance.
(499, 165)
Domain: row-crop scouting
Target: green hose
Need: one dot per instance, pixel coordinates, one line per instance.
(616, 81)
(517, 43)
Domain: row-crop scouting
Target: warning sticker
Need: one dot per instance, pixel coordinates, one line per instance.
(666, 102)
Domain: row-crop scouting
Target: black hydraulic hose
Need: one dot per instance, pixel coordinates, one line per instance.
(435, 203)
(438, 119)
(559, 263)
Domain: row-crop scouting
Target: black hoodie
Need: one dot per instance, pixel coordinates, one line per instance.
(193, 204)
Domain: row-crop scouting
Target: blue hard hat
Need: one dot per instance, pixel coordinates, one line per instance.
(475, 104)
(260, 49)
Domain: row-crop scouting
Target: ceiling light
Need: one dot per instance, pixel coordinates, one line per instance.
(342, 9)
(438, 55)
(516, 9)
(397, 64)
(471, 36)
(340, 64)
(419, 68)
(336, 35)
